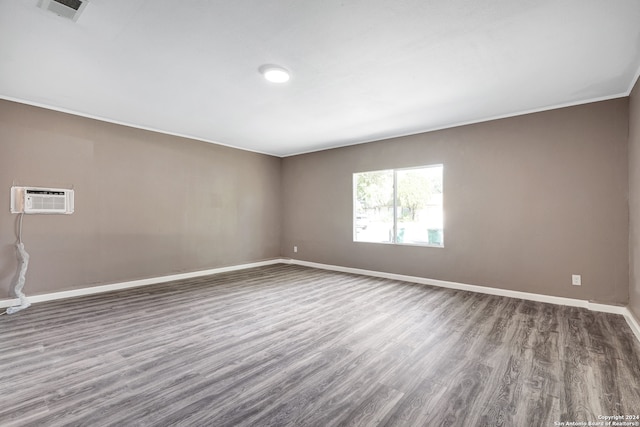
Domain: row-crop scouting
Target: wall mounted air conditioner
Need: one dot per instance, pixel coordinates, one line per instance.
(39, 200)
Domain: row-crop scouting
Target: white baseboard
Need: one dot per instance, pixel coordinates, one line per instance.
(572, 302)
(135, 283)
(633, 322)
(472, 288)
(607, 308)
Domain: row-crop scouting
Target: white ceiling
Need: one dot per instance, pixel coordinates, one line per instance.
(362, 70)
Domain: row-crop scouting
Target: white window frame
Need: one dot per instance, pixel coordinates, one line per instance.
(395, 206)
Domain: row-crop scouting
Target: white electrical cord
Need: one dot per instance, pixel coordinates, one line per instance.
(24, 264)
(20, 228)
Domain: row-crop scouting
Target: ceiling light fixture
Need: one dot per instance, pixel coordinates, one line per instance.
(275, 73)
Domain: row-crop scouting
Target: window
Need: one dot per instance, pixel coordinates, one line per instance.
(402, 206)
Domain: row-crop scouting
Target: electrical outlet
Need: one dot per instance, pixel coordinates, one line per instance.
(576, 280)
(295, 249)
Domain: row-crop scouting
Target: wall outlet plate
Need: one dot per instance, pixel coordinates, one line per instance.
(576, 280)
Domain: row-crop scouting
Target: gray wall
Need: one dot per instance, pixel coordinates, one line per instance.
(634, 200)
(147, 204)
(528, 201)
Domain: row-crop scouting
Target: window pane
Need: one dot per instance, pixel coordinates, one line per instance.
(419, 206)
(373, 206)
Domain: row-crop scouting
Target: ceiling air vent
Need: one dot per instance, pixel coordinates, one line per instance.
(70, 9)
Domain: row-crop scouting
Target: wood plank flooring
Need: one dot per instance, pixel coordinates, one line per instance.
(286, 345)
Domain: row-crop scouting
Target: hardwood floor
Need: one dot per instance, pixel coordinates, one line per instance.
(289, 345)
